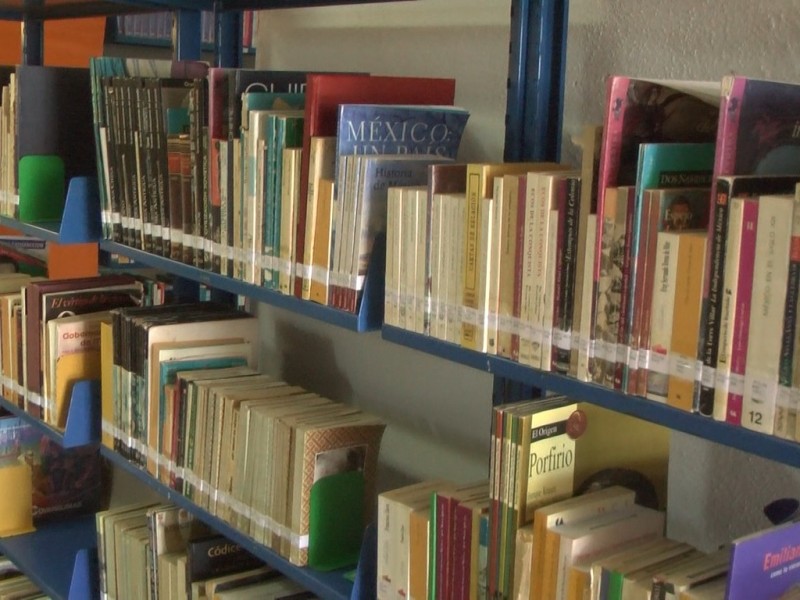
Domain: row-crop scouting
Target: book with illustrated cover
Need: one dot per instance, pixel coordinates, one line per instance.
(765, 564)
(397, 129)
(324, 94)
(72, 352)
(44, 300)
(64, 481)
(756, 135)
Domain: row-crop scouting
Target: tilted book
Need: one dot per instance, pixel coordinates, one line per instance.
(765, 564)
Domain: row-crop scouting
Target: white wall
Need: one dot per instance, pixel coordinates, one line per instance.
(439, 412)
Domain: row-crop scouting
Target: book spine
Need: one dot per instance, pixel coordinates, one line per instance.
(740, 331)
(567, 268)
(686, 319)
(520, 262)
(559, 343)
(620, 367)
(773, 243)
(785, 410)
(461, 553)
(475, 185)
(642, 284)
(710, 312)
(727, 309)
(724, 164)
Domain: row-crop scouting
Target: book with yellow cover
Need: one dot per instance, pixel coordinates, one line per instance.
(686, 318)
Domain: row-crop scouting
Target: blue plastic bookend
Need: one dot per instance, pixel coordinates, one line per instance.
(370, 313)
(84, 576)
(83, 420)
(364, 585)
(81, 220)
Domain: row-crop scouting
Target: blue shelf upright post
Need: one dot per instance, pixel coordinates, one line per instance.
(187, 38)
(537, 60)
(32, 41)
(535, 107)
(227, 37)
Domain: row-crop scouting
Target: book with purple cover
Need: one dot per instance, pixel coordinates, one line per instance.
(765, 564)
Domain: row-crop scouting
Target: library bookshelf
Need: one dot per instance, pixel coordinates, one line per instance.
(532, 133)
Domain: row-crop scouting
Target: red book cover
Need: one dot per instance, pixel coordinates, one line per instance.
(743, 301)
(443, 543)
(324, 94)
(461, 557)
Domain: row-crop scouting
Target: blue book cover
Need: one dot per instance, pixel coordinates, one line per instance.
(765, 564)
(399, 129)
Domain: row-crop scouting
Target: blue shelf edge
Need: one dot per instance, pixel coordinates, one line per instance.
(83, 420)
(69, 547)
(329, 585)
(369, 318)
(766, 446)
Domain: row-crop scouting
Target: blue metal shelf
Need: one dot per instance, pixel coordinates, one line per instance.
(59, 557)
(369, 318)
(331, 586)
(773, 448)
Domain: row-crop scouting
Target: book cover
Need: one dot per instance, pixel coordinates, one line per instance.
(215, 555)
(324, 94)
(73, 353)
(63, 481)
(765, 564)
(397, 129)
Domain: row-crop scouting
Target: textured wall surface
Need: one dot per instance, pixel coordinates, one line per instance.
(440, 411)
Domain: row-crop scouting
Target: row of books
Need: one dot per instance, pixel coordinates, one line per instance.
(216, 167)
(158, 26)
(434, 541)
(183, 400)
(15, 584)
(161, 552)
(614, 272)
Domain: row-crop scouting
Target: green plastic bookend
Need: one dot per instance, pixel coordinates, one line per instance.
(81, 219)
(41, 181)
(336, 521)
